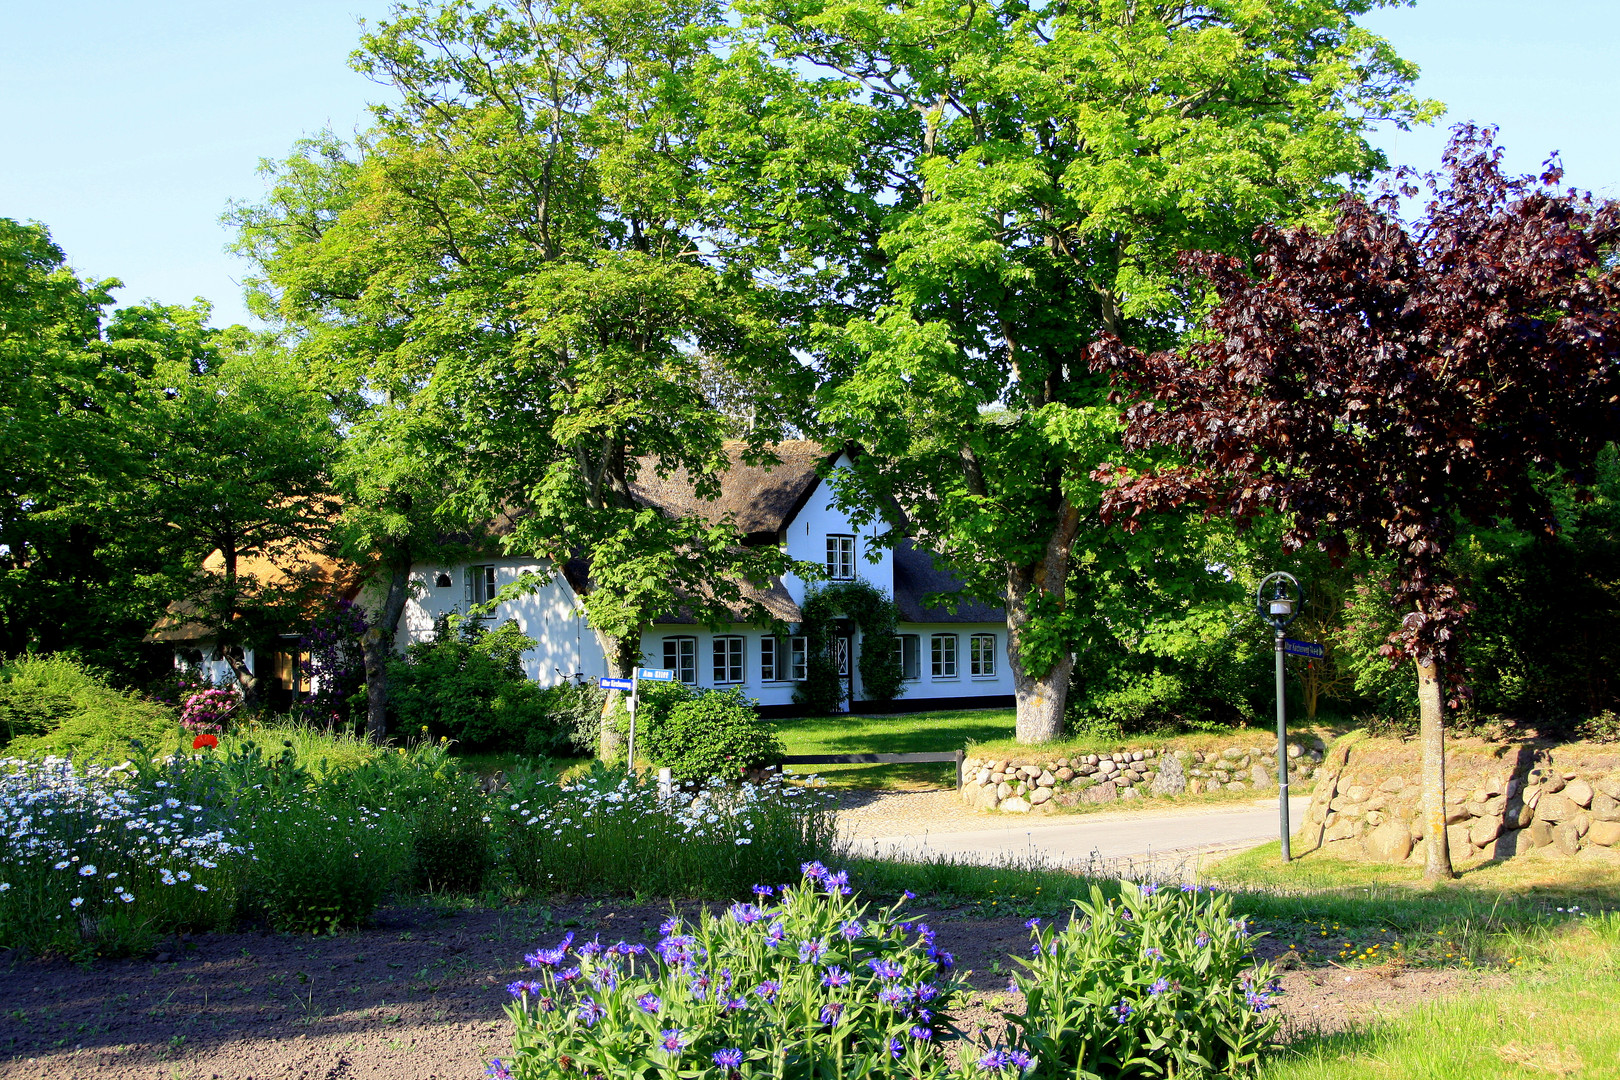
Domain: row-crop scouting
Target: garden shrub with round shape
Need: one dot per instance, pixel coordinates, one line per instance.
(319, 869)
(713, 733)
(799, 982)
(1159, 982)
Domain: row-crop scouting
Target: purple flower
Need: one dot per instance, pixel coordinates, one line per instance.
(728, 1059)
(1149, 889)
(925, 933)
(893, 995)
(1123, 1010)
(669, 925)
(550, 957)
(746, 913)
(836, 976)
(497, 1070)
(838, 883)
(733, 1004)
(831, 1011)
(811, 952)
(885, 969)
(927, 992)
(1159, 987)
(813, 870)
(895, 1049)
(775, 934)
(521, 987)
(921, 1034)
(1152, 954)
(590, 1012)
(1020, 1058)
(672, 1040)
(1201, 940)
(768, 989)
(850, 930)
(590, 948)
(1259, 1001)
(908, 895)
(1012, 986)
(942, 960)
(763, 891)
(1033, 924)
(568, 975)
(993, 1061)
(649, 1003)
(624, 948)
(604, 978)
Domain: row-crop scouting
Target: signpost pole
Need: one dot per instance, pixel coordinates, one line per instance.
(635, 700)
(1282, 750)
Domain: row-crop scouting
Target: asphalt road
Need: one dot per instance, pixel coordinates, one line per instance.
(1118, 842)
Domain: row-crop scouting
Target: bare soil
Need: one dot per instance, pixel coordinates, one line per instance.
(419, 996)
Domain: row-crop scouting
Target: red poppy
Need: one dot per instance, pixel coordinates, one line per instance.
(204, 740)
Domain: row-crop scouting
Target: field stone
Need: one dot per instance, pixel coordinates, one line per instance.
(1390, 842)
(1565, 839)
(1105, 792)
(1579, 792)
(1604, 833)
(1611, 788)
(1583, 822)
(1260, 777)
(1484, 831)
(1130, 793)
(1171, 780)
(1004, 790)
(1065, 774)
(1553, 784)
(1046, 779)
(1393, 785)
(1456, 812)
(1555, 808)
(1459, 843)
(1107, 767)
(1605, 808)
(1237, 785)
(998, 777)
(1040, 795)
(1341, 829)
(1014, 805)
(1488, 807)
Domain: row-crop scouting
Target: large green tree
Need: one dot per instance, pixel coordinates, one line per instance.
(963, 198)
(513, 259)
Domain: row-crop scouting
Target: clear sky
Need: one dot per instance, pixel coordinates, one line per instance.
(127, 127)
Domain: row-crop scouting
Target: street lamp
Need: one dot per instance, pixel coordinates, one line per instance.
(1280, 608)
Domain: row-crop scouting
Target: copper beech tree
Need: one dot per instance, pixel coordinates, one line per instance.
(1384, 386)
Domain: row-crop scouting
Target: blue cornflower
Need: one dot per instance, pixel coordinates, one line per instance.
(813, 870)
(896, 1050)
(568, 975)
(728, 1059)
(921, 1034)
(746, 913)
(927, 992)
(763, 891)
(1201, 940)
(1149, 889)
(1152, 953)
(669, 925)
(1033, 923)
(725, 978)
(891, 995)
(733, 1004)
(521, 987)
(1188, 887)
(649, 1003)
(604, 978)
(1012, 986)
(836, 976)
(498, 1070)
(1159, 987)
(590, 1012)
(768, 989)
(1258, 1000)
(942, 960)
(591, 947)
(885, 969)
(1020, 1058)
(1123, 1010)
(775, 934)
(908, 895)
(672, 1040)
(831, 1011)
(624, 948)
(993, 1061)
(838, 883)
(811, 952)
(850, 930)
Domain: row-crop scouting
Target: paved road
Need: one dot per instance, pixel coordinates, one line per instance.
(1134, 841)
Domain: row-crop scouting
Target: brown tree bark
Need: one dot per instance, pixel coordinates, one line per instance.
(378, 645)
(623, 656)
(1040, 695)
(1432, 740)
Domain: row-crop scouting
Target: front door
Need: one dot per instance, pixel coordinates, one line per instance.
(843, 658)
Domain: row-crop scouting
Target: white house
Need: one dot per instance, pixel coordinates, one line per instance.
(948, 660)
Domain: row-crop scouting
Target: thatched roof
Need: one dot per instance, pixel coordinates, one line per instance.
(762, 499)
(288, 567)
(916, 576)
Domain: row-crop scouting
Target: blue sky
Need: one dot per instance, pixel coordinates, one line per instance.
(129, 126)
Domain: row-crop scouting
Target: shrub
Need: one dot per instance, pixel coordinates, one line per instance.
(810, 984)
(712, 733)
(467, 683)
(53, 704)
(1157, 983)
(615, 832)
(574, 716)
(452, 841)
(318, 869)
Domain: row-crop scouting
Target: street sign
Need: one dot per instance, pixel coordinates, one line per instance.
(1303, 648)
(649, 674)
(615, 684)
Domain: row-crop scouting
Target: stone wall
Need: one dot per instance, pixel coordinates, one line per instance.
(1032, 782)
(1501, 800)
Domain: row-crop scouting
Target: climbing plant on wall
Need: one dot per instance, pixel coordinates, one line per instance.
(872, 611)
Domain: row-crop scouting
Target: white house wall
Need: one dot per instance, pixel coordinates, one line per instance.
(807, 540)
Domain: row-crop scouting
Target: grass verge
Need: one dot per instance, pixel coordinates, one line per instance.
(904, 733)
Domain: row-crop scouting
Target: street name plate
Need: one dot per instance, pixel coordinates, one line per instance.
(615, 684)
(650, 674)
(1303, 648)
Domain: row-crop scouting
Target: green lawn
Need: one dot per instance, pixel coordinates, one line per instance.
(903, 733)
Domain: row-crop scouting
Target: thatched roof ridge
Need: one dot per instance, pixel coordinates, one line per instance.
(762, 499)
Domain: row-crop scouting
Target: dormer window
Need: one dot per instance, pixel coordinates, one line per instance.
(841, 558)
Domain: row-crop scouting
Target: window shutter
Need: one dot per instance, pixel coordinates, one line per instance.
(469, 580)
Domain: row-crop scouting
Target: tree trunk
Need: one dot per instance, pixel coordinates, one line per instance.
(623, 656)
(1431, 735)
(378, 646)
(1041, 694)
(236, 659)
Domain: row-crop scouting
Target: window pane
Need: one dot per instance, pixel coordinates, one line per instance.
(767, 659)
(797, 648)
(943, 648)
(910, 657)
(982, 658)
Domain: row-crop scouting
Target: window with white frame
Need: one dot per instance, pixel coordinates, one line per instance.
(841, 656)
(909, 648)
(943, 650)
(770, 660)
(798, 650)
(841, 558)
(728, 658)
(680, 656)
(480, 582)
(982, 656)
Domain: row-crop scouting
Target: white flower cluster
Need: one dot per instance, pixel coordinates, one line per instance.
(80, 819)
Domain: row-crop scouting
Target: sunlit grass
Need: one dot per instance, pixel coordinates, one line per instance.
(944, 730)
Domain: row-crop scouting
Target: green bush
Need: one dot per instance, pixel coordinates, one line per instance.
(54, 704)
(574, 714)
(712, 733)
(452, 841)
(466, 682)
(319, 869)
(1158, 983)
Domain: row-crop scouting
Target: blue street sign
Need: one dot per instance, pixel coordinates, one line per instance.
(1303, 648)
(615, 684)
(650, 674)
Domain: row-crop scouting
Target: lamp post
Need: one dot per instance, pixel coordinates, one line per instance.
(1278, 601)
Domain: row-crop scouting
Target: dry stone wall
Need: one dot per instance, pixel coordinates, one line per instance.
(1501, 801)
(1035, 783)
